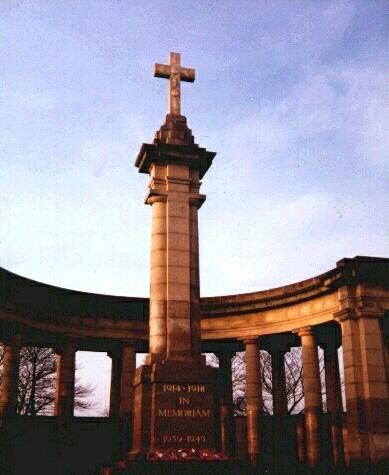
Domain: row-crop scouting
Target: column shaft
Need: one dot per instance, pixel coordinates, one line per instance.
(158, 276)
(280, 408)
(10, 379)
(254, 399)
(127, 376)
(280, 402)
(126, 409)
(226, 406)
(179, 338)
(114, 400)
(334, 401)
(194, 279)
(312, 395)
(64, 395)
(366, 389)
(122, 400)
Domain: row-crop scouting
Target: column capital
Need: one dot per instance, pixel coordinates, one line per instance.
(114, 353)
(304, 331)
(355, 313)
(280, 344)
(155, 196)
(249, 340)
(225, 354)
(196, 200)
(65, 345)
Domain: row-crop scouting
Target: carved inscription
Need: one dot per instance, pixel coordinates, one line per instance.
(184, 415)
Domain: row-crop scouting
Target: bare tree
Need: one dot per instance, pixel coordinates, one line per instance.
(293, 379)
(37, 374)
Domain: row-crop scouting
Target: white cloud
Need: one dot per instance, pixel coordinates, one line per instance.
(351, 102)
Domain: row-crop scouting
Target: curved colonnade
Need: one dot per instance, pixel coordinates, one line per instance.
(347, 306)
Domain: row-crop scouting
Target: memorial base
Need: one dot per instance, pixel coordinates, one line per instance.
(174, 410)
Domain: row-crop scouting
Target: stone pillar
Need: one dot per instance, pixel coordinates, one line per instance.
(8, 403)
(158, 272)
(280, 401)
(175, 282)
(121, 401)
(385, 335)
(254, 399)
(114, 400)
(312, 395)
(366, 435)
(281, 436)
(300, 439)
(226, 406)
(126, 406)
(10, 379)
(334, 400)
(64, 394)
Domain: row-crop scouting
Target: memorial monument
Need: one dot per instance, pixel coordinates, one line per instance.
(174, 391)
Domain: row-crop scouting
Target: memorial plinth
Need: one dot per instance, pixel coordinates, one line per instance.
(175, 409)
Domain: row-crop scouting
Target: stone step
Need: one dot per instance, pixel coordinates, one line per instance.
(224, 467)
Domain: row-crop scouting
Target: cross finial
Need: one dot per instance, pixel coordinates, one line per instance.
(175, 74)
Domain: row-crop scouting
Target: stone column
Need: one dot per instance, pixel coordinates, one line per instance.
(254, 399)
(10, 379)
(64, 394)
(8, 403)
(385, 336)
(158, 273)
(114, 400)
(300, 439)
(366, 438)
(334, 400)
(281, 437)
(226, 406)
(121, 402)
(312, 394)
(175, 283)
(126, 406)
(280, 401)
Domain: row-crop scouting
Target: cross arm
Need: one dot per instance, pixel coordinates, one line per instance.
(161, 71)
(187, 74)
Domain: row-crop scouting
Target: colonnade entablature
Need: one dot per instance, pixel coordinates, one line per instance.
(355, 287)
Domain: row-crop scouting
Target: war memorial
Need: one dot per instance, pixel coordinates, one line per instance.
(174, 414)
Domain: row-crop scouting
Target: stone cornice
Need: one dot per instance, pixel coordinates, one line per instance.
(311, 302)
(192, 155)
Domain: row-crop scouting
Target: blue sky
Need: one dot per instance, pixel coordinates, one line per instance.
(293, 97)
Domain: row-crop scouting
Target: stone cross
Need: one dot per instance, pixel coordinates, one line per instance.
(175, 73)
